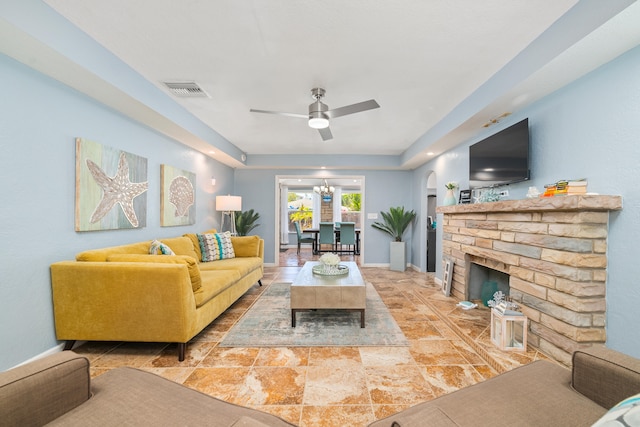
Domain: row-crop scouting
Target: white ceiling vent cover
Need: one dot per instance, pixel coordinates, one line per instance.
(186, 89)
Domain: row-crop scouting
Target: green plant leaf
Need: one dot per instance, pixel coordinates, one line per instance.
(246, 221)
(395, 222)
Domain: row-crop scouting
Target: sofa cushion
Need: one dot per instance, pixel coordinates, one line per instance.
(100, 255)
(191, 263)
(430, 415)
(243, 266)
(159, 248)
(216, 246)
(246, 246)
(537, 394)
(181, 246)
(245, 421)
(130, 397)
(213, 283)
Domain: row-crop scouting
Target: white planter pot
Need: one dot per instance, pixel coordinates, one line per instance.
(397, 256)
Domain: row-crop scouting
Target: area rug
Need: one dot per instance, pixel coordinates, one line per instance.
(268, 324)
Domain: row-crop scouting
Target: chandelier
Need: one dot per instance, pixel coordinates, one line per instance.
(325, 191)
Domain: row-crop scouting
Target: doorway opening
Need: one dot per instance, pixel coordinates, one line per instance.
(429, 223)
(309, 200)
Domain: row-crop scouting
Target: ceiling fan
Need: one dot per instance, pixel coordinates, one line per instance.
(319, 113)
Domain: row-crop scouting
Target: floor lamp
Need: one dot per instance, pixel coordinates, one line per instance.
(228, 205)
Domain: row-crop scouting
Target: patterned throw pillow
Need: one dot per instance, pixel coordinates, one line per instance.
(215, 246)
(159, 248)
(624, 414)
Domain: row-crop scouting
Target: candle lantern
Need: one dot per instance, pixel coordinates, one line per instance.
(509, 331)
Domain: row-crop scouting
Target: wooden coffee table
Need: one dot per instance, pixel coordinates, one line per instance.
(311, 291)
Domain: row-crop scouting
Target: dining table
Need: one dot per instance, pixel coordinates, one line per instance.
(316, 235)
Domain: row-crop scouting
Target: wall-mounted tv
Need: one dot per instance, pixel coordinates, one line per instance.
(502, 158)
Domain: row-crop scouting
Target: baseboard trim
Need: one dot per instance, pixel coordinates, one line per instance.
(57, 349)
(53, 350)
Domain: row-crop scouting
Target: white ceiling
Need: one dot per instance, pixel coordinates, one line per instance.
(429, 64)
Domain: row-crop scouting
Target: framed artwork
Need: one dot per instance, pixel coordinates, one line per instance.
(177, 197)
(447, 276)
(111, 188)
(465, 197)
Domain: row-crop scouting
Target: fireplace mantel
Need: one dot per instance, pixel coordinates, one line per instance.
(555, 253)
(542, 204)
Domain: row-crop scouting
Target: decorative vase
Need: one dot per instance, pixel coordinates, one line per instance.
(450, 198)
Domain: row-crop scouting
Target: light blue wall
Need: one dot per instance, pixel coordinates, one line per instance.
(383, 189)
(39, 122)
(589, 129)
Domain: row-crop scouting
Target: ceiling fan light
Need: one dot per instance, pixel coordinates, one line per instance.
(317, 120)
(318, 123)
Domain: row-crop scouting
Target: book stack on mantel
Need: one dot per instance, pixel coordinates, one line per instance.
(577, 187)
(566, 187)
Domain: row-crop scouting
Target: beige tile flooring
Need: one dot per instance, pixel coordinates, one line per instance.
(332, 386)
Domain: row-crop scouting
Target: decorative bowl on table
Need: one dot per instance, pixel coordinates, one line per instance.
(330, 270)
(330, 266)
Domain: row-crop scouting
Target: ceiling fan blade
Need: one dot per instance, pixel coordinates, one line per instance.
(325, 133)
(353, 108)
(279, 113)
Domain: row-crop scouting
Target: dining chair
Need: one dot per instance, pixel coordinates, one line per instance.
(348, 235)
(304, 239)
(327, 236)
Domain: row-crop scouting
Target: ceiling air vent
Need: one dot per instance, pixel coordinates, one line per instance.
(186, 89)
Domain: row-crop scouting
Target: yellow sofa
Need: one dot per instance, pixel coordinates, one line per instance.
(123, 293)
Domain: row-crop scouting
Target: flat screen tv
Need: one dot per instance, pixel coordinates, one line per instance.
(502, 158)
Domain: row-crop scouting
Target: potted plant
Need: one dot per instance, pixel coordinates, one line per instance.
(395, 223)
(450, 197)
(246, 221)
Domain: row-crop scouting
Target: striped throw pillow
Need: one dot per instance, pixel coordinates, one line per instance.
(215, 246)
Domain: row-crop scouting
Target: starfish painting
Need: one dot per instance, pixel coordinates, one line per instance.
(118, 189)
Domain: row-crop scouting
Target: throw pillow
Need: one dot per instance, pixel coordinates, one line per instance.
(159, 248)
(215, 246)
(625, 413)
(196, 243)
(246, 246)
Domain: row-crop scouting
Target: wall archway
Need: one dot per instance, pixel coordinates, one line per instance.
(428, 192)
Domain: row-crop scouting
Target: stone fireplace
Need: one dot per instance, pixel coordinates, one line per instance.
(553, 252)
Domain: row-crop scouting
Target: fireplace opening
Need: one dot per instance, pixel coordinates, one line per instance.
(485, 281)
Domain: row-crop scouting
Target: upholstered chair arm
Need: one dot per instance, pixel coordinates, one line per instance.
(605, 376)
(38, 392)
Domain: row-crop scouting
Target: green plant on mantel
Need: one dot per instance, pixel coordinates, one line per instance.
(395, 222)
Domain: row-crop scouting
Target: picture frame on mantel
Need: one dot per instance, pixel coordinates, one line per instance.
(465, 197)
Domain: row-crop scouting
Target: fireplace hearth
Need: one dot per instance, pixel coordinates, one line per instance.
(554, 252)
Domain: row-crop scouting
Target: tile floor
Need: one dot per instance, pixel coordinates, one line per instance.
(332, 386)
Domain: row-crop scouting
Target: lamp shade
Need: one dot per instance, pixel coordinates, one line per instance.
(228, 203)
